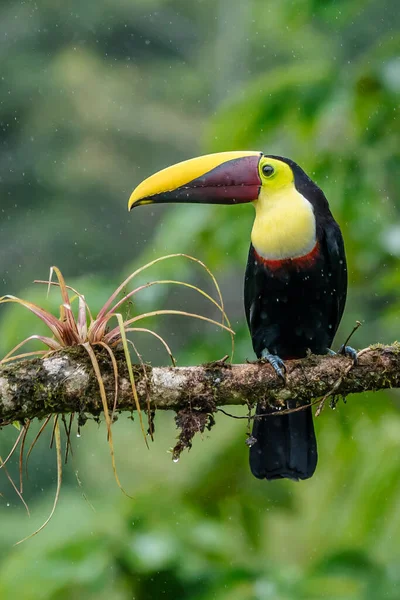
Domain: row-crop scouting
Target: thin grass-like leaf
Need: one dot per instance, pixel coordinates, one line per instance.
(103, 396)
(172, 282)
(72, 328)
(190, 286)
(48, 319)
(53, 431)
(25, 355)
(121, 329)
(164, 343)
(21, 454)
(4, 462)
(68, 435)
(79, 482)
(61, 281)
(141, 361)
(116, 376)
(114, 332)
(184, 284)
(15, 488)
(82, 319)
(70, 334)
(106, 307)
(59, 481)
(39, 433)
(68, 287)
(52, 344)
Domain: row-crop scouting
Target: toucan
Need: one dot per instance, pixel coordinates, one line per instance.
(295, 282)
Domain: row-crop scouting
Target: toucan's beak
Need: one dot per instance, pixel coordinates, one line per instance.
(222, 178)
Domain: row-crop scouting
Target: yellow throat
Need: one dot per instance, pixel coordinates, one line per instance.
(284, 226)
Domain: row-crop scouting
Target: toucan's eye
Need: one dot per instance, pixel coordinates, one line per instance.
(268, 170)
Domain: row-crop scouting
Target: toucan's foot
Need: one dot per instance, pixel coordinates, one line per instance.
(276, 363)
(350, 352)
(346, 351)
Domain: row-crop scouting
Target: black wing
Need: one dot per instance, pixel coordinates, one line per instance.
(250, 296)
(334, 252)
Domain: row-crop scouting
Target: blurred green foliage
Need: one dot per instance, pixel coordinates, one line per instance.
(94, 97)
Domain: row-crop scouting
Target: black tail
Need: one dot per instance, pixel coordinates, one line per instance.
(285, 446)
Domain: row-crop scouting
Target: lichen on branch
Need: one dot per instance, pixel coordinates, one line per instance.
(64, 382)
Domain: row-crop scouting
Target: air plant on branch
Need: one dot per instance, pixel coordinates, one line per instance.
(79, 328)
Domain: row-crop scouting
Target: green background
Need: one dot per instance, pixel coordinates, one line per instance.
(95, 96)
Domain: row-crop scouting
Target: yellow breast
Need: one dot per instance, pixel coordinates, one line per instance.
(284, 226)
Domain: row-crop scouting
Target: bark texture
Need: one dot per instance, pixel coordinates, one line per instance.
(64, 382)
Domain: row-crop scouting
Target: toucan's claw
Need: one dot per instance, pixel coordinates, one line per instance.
(350, 352)
(346, 351)
(276, 363)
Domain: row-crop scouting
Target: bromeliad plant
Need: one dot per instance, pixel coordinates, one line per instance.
(80, 328)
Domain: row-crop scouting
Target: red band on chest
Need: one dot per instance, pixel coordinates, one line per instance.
(301, 262)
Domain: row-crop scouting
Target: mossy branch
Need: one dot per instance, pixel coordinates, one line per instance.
(64, 382)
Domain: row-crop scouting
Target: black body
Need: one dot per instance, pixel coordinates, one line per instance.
(291, 310)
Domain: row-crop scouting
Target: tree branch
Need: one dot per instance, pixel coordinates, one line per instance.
(64, 382)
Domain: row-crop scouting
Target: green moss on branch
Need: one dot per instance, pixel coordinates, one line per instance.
(64, 382)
